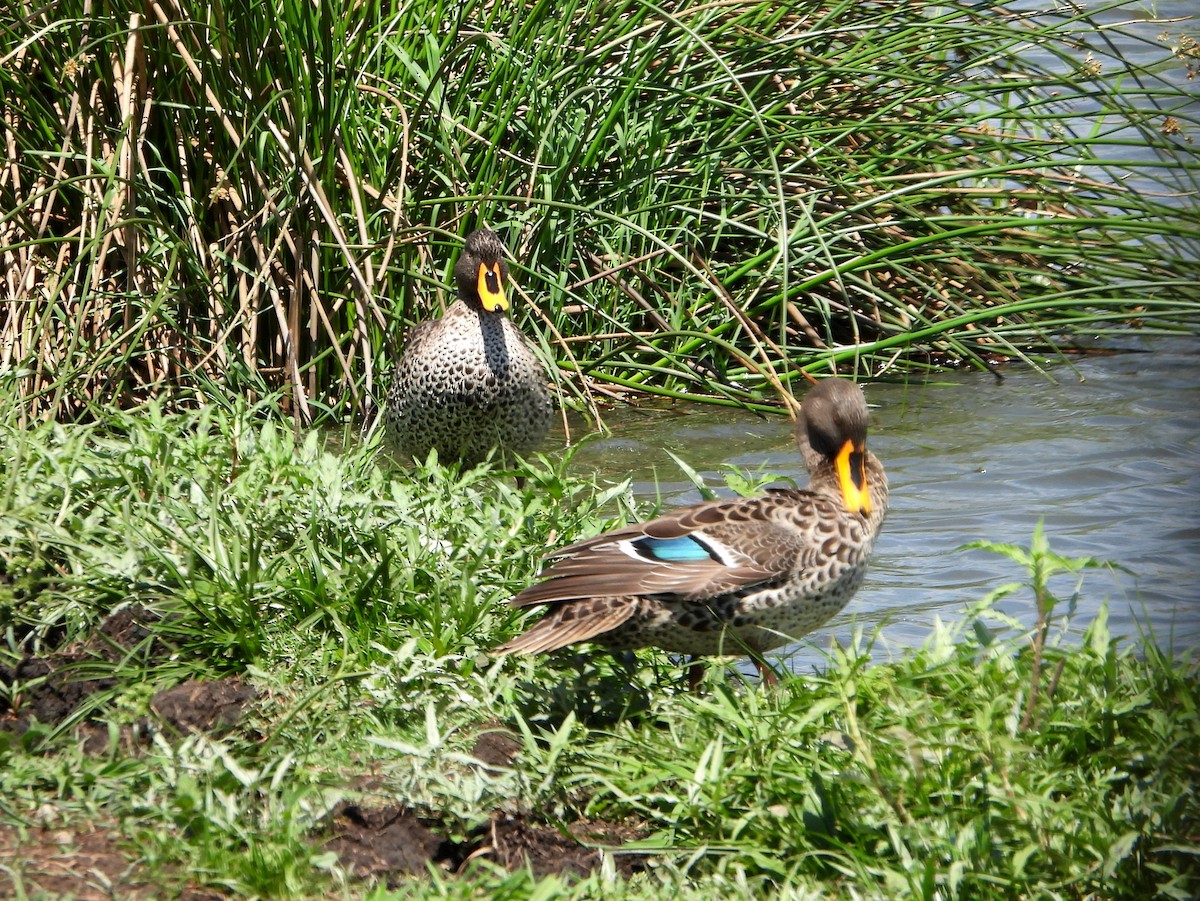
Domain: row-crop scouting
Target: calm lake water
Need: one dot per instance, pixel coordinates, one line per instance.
(1106, 451)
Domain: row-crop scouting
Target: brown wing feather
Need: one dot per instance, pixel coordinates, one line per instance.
(674, 524)
(598, 567)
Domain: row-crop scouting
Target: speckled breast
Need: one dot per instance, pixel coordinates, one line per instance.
(471, 388)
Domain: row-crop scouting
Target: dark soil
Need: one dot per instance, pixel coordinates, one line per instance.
(195, 706)
(496, 747)
(49, 689)
(391, 842)
(84, 864)
(517, 842)
(384, 842)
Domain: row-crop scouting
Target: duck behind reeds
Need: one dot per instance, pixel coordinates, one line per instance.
(470, 382)
(728, 577)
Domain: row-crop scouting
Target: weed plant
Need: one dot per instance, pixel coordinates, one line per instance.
(361, 605)
(701, 199)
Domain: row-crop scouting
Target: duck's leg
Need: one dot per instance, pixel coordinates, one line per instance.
(695, 673)
(765, 673)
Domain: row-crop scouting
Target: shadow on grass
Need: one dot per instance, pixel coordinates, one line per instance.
(597, 688)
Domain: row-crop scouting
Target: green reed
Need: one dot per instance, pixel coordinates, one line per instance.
(701, 200)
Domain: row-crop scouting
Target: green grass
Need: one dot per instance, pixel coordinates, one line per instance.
(702, 200)
(361, 603)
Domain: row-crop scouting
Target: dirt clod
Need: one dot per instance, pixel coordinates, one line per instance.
(382, 842)
(45, 692)
(195, 706)
(49, 689)
(516, 843)
(390, 842)
(496, 748)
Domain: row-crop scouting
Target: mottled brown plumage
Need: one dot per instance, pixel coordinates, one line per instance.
(740, 576)
(470, 382)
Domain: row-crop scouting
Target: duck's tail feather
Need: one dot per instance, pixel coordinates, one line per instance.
(570, 622)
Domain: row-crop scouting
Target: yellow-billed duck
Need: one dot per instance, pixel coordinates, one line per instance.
(470, 382)
(728, 577)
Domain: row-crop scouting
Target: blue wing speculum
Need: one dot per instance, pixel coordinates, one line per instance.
(672, 550)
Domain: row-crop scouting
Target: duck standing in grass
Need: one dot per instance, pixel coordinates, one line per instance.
(470, 382)
(728, 577)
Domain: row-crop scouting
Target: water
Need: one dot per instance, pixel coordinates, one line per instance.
(1138, 37)
(1106, 452)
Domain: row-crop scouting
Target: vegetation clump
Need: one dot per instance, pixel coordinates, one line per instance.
(702, 199)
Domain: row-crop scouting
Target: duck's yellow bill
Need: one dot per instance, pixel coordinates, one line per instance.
(491, 288)
(851, 465)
